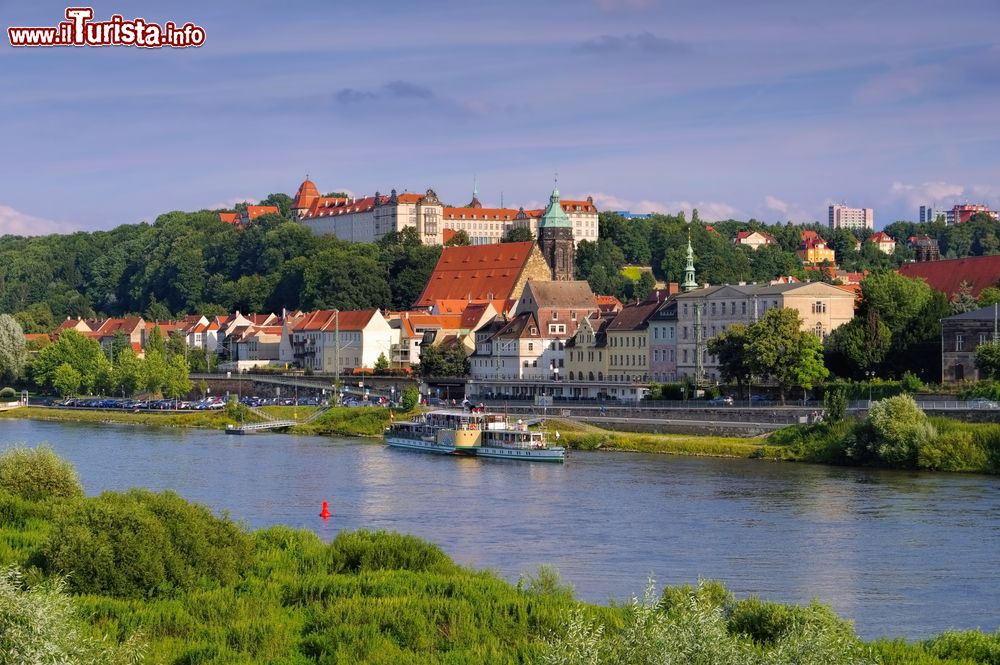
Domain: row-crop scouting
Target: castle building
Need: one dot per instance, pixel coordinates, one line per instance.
(368, 219)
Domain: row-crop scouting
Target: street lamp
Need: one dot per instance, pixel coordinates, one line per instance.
(749, 378)
(870, 374)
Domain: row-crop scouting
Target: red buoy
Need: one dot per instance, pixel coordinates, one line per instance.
(325, 513)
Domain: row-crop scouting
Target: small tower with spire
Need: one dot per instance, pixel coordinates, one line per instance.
(475, 203)
(689, 283)
(555, 239)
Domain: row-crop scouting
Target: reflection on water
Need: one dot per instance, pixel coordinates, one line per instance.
(900, 553)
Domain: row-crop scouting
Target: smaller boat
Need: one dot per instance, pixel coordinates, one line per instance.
(451, 432)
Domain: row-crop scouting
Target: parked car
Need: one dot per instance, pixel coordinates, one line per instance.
(981, 403)
(721, 400)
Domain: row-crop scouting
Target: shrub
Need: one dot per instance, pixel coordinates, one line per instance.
(38, 473)
(383, 550)
(410, 398)
(767, 623)
(7, 394)
(40, 624)
(952, 451)
(546, 582)
(911, 383)
(898, 428)
(142, 544)
(835, 403)
(973, 645)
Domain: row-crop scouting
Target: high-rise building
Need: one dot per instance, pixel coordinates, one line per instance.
(844, 217)
(930, 213)
(960, 214)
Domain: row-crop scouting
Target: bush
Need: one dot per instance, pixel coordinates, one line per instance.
(383, 550)
(38, 473)
(411, 396)
(7, 394)
(835, 403)
(142, 544)
(767, 623)
(896, 430)
(952, 451)
(40, 624)
(911, 383)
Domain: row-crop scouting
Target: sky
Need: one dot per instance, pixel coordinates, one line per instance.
(771, 109)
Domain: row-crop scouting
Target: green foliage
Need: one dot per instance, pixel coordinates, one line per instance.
(12, 356)
(360, 551)
(519, 234)
(381, 363)
(546, 582)
(835, 403)
(896, 430)
(667, 391)
(67, 380)
(411, 396)
(989, 296)
(7, 394)
(38, 473)
(988, 360)
(436, 361)
(140, 544)
(460, 239)
(40, 623)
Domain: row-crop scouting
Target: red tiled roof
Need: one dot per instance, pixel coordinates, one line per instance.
(479, 272)
(329, 320)
(307, 194)
(743, 235)
(485, 214)
(447, 234)
(947, 276)
(229, 217)
(31, 337)
(70, 323)
(473, 313)
(409, 198)
(329, 207)
(881, 237)
(253, 212)
(137, 347)
(578, 206)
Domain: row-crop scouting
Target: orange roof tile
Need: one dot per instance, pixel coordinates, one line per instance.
(479, 272)
(482, 214)
(253, 212)
(578, 206)
(229, 217)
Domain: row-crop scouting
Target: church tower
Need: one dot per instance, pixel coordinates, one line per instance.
(555, 239)
(690, 284)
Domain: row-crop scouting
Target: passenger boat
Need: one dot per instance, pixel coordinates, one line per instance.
(480, 434)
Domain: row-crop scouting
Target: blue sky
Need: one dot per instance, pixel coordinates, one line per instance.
(761, 109)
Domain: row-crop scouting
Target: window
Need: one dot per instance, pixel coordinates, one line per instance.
(557, 329)
(534, 330)
(819, 331)
(573, 315)
(684, 332)
(555, 316)
(685, 355)
(713, 309)
(819, 307)
(744, 308)
(531, 346)
(959, 342)
(982, 338)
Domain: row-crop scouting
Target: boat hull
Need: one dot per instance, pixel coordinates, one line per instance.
(556, 455)
(423, 446)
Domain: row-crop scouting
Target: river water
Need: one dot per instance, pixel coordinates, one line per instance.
(901, 554)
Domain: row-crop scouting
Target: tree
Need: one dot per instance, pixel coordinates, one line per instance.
(644, 286)
(989, 296)
(777, 347)
(128, 375)
(154, 371)
(863, 342)
(730, 350)
(835, 403)
(11, 348)
(962, 301)
(988, 360)
(156, 342)
(381, 363)
(410, 398)
(66, 380)
(460, 239)
(519, 234)
(438, 362)
(176, 382)
(81, 353)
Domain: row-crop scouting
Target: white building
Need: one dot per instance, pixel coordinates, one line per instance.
(332, 341)
(844, 217)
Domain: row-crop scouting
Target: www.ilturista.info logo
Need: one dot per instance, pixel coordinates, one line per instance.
(79, 29)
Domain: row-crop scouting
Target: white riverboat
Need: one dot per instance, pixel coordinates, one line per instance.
(452, 432)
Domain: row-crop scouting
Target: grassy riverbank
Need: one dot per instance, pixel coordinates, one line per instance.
(154, 576)
(203, 419)
(579, 436)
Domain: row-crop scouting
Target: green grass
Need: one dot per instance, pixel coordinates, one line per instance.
(204, 419)
(367, 421)
(586, 437)
(289, 412)
(632, 272)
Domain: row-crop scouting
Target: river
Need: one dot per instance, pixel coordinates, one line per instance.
(901, 554)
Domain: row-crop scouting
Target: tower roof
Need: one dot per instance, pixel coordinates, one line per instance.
(554, 215)
(306, 194)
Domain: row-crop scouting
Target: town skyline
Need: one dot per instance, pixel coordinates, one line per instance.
(770, 112)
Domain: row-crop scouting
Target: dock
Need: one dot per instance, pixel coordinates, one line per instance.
(250, 428)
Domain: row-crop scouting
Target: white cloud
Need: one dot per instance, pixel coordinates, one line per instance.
(790, 212)
(18, 223)
(927, 193)
(229, 203)
(707, 210)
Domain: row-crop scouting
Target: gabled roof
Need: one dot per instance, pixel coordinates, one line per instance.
(880, 237)
(574, 294)
(474, 313)
(328, 320)
(477, 272)
(947, 276)
(633, 317)
(71, 323)
(229, 217)
(608, 304)
(981, 314)
(743, 235)
(111, 326)
(579, 206)
(481, 214)
(253, 212)
(521, 326)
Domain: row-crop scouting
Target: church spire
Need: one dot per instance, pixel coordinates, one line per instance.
(475, 203)
(689, 281)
